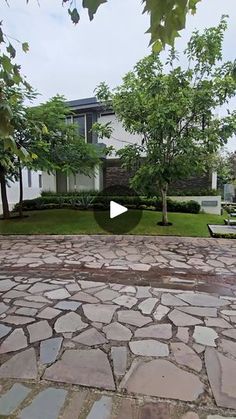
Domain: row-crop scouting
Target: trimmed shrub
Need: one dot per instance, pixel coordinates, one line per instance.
(103, 203)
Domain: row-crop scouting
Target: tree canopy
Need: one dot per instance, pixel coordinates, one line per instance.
(174, 110)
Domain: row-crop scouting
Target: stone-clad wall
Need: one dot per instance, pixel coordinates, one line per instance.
(115, 175)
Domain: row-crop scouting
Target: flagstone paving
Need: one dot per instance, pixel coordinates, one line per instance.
(131, 253)
(136, 352)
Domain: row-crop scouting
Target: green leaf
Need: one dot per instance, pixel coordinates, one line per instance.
(1, 36)
(92, 6)
(25, 46)
(11, 51)
(75, 17)
(157, 46)
(6, 63)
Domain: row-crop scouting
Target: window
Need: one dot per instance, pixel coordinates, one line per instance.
(29, 178)
(80, 121)
(40, 181)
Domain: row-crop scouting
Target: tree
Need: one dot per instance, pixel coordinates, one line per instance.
(43, 140)
(9, 156)
(174, 111)
(61, 148)
(167, 19)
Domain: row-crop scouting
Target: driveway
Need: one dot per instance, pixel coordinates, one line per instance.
(72, 347)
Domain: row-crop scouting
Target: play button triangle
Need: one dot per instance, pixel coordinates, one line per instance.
(116, 209)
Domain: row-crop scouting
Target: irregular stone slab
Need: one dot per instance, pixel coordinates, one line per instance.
(17, 340)
(22, 365)
(88, 368)
(205, 336)
(183, 334)
(101, 313)
(182, 319)
(230, 333)
(228, 347)
(17, 320)
(3, 308)
(126, 301)
(198, 348)
(149, 348)
(161, 312)
(228, 312)
(220, 417)
(73, 287)
(30, 304)
(15, 294)
(221, 373)
(26, 311)
(75, 405)
(59, 294)
(4, 330)
(39, 331)
(116, 331)
(13, 398)
(70, 322)
(190, 415)
(135, 318)
(6, 284)
(143, 292)
(37, 299)
(127, 409)
(147, 306)
(42, 287)
(218, 322)
(90, 337)
(85, 298)
(47, 404)
(68, 305)
(200, 311)
(119, 358)
(157, 331)
(171, 300)
(129, 289)
(202, 300)
(161, 378)
(101, 409)
(49, 350)
(155, 411)
(107, 295)
(48, 313)
(184, 355)
(90, 284)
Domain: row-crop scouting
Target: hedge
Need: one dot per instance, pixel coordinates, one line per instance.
(103, 203)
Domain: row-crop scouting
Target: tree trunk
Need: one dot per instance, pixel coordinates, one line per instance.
(21, 190)
(164, 205)
(5, 206)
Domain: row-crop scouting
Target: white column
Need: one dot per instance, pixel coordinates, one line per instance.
(214, 180)
(97, 178)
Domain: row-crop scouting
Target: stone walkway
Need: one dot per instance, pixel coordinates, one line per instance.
(72, 348)
(126, 253)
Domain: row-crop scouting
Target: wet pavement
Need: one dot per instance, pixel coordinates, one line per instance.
(108, 327)
(170, 255)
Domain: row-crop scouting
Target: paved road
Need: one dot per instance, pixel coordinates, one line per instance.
(167, 255)
(98, 350)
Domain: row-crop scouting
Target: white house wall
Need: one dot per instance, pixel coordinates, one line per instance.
(29, 192)
(120, 137)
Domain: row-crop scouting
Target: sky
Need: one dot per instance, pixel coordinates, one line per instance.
(72, 60)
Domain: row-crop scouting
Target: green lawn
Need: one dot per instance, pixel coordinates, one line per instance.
(65, 221)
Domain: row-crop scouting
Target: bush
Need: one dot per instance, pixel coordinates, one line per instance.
(194, 192)
(102, 203)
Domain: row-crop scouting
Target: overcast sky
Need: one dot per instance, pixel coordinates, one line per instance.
(73, 60)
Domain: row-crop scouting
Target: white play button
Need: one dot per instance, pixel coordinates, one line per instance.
(116, 209)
